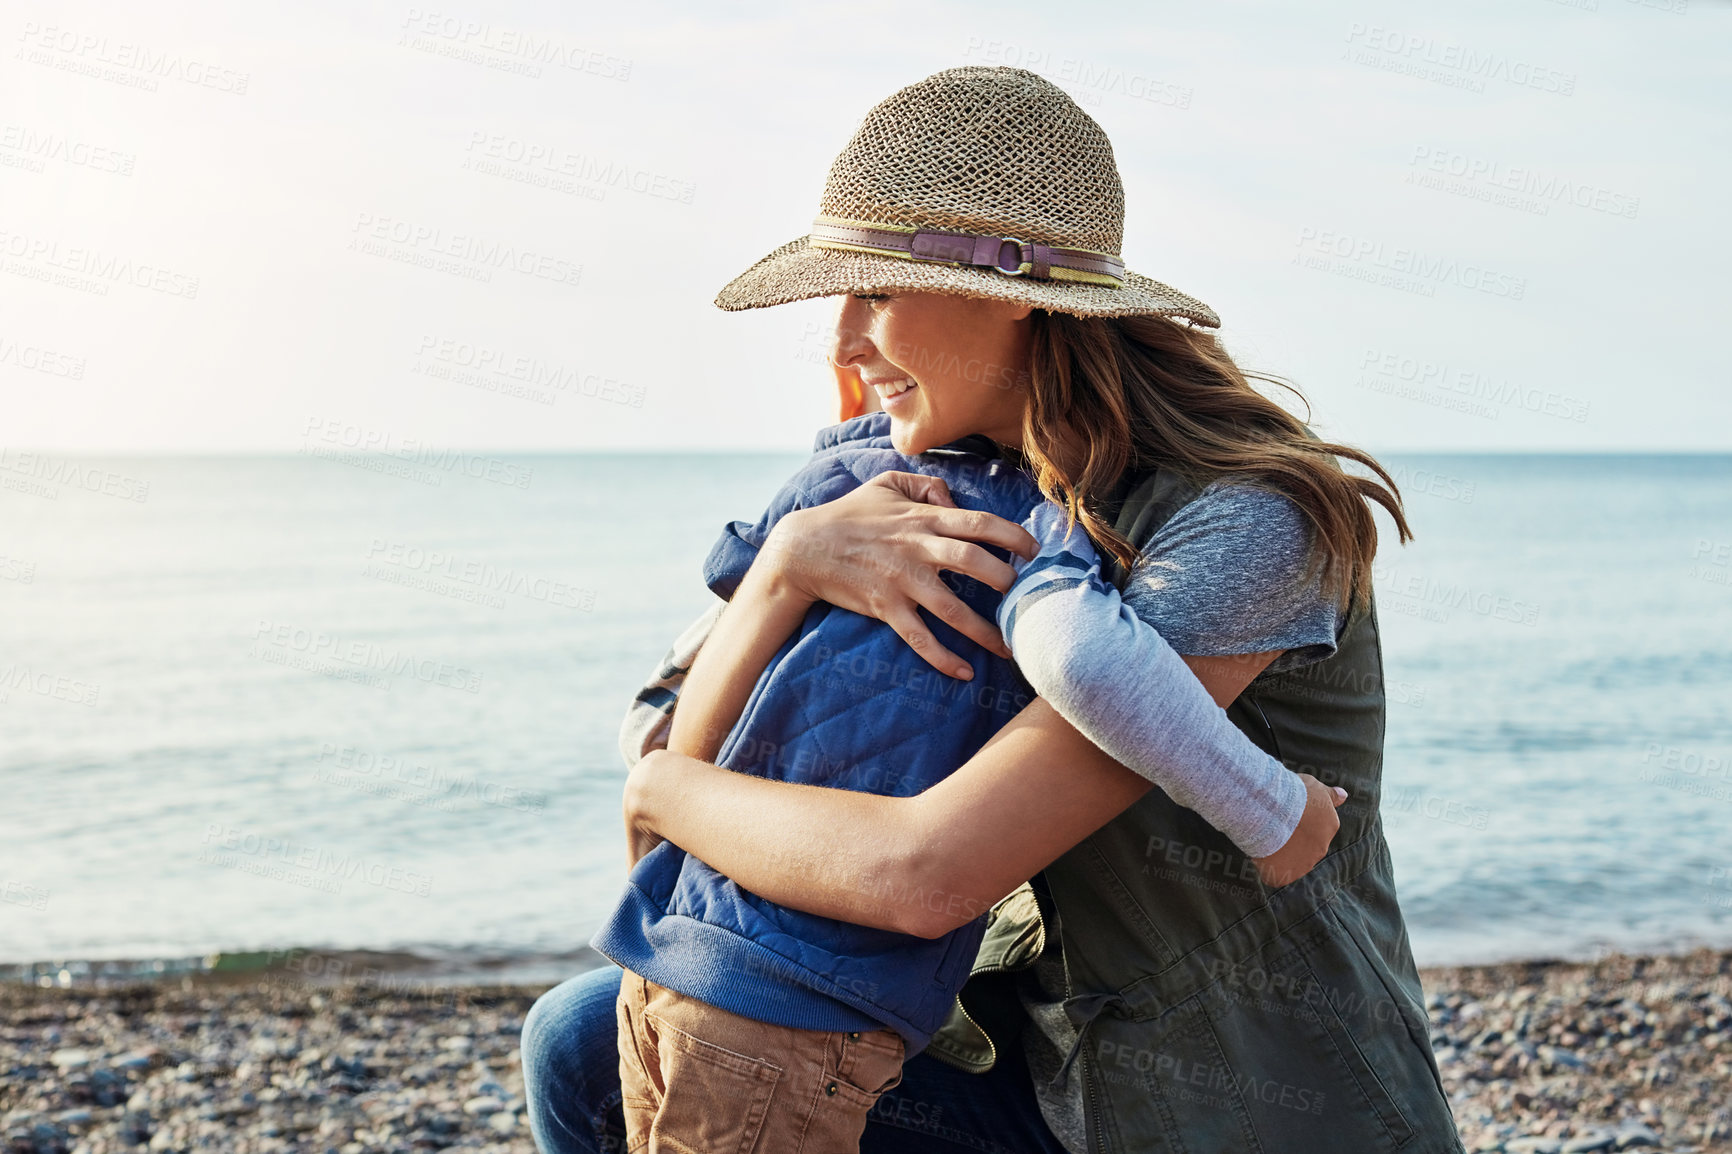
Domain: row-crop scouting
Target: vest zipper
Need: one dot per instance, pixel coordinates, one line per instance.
(1274, 738)
(1094, 1106)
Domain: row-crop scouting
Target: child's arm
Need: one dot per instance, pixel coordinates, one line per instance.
(1110, 674)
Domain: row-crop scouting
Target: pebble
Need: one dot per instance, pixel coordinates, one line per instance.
(135, 1060)
(70, 1059)
(1626, 1053)
(267, 1067)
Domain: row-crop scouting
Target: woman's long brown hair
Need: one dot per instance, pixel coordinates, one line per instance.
(1110, 394)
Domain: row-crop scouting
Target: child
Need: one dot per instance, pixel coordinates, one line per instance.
(746, 1025)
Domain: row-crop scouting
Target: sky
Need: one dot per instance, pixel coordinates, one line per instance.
(1472, 226)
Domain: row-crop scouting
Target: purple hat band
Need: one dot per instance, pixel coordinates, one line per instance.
(1003, 254)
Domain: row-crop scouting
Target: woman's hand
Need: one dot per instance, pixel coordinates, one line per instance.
(1311, 838)
(877, 551)
(640, 838)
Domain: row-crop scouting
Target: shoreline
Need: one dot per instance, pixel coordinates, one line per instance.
(467, 967)
(357, 1051)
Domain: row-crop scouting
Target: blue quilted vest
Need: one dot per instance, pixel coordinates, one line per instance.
(845, 703)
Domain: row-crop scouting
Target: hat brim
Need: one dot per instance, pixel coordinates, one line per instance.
(797, 271)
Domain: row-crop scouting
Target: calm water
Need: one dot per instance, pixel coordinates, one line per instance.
(290, 701)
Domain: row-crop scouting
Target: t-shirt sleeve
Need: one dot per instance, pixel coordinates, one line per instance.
(1226, 574)
(1111, 674)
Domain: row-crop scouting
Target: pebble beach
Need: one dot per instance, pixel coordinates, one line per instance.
(1625, 1053)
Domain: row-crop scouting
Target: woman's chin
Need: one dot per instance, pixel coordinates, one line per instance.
(906, 437)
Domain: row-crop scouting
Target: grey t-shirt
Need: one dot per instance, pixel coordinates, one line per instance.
(1224, 575)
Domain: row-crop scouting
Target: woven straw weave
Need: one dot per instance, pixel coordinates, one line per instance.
(999, 151)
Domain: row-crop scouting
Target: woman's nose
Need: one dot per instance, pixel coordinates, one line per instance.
(853, 331)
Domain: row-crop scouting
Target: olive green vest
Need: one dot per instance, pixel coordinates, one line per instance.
(1216, 1014)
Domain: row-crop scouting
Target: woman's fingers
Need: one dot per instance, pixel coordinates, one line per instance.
(939, 601)
(977, 525)
(917, 487)
(969, 559)
(913, 630)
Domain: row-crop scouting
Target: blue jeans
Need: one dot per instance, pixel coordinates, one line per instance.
(571, 1079)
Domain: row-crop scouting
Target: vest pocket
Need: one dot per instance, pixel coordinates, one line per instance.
(1355, 1026)
(1169, 1079)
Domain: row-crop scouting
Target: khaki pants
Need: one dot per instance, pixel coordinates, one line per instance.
(698, 1080)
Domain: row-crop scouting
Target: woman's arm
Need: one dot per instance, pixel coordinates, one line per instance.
(920, 865)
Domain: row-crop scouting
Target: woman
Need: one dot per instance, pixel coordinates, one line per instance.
(1146, 991)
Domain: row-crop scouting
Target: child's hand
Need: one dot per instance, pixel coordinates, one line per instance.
(1310, 841)
(1048, 524)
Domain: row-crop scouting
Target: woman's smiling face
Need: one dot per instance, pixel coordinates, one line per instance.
(944, 366)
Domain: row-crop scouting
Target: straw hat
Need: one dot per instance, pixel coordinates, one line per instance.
(983, 182)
